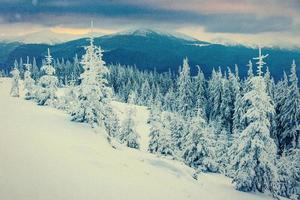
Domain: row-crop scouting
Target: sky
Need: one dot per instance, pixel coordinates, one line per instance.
(255, 22)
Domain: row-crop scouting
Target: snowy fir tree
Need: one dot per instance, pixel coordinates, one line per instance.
(156, 127)
(14, 91)
(47, 84)
(178, 130)
(199, 144)
(35, 70)
(94, 95)
(199, 91)
(185, 92)
(165, 146)
(254, 163)
(112, 123)
(29, 83)
(215, 97)
(128, 135)
(290, 114)
(289, 174)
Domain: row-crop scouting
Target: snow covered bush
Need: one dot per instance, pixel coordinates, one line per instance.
(47, 84)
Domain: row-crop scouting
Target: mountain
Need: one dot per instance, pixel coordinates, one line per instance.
(49, 36)
(149, 49)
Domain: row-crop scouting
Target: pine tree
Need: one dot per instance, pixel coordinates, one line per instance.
(199, 90)
(21, 68)
(215, 96)
(29, 83)
(280, 97)
(178, 130)
(254, 163)
(165, 146)
(35, 70)
(14, 92)
(185, 93)
(47, 84)
(199, 145)
(156, 127)
(290, 114)
(132, 97)
(170, 100)
(77, 70)
(93, 93)
(239, 105)
(145, 97)
(112, 123)
(227, 103)
(289, 174)
(128, 133)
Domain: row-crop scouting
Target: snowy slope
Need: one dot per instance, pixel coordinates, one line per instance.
(44, 156)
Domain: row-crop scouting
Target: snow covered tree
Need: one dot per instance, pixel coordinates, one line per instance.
(14, 91)
(128, 133)
(35, 70)
(281, 95)
(254, 163)
(156, 127)
(289, 174)
(290, 114)
(47, 84)
(170, 100)
(145, 97)
(165, 146)
(93, 93)
(77, 70)
(185, 93)
(199, 90)
(269, 83)
(29, 83)
(199, 144)
(178, 130)
(227, 103)
(132, 97)
(21, 68)
(215, 96)
(112, 123)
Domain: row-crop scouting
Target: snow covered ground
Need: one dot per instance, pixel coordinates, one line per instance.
(44, 156)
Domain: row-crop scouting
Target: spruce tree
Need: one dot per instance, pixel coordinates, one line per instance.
(289, 174)
(156, 127)
(35, 70)
(29, 83)
(185, 93)
(14, 91)
(254, 163)
(47, 84)
(93, 93)
(199, 144)
(199, 86)
(290, 114)
(128, 135)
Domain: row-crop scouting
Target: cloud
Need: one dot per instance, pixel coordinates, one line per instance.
(216, 16)
(213, 16)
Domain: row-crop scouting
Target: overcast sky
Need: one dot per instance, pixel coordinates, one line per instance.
(261, 22)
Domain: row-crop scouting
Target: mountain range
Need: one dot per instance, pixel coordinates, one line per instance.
(149, 50)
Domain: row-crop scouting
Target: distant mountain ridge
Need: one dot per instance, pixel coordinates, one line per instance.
(151, 49)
